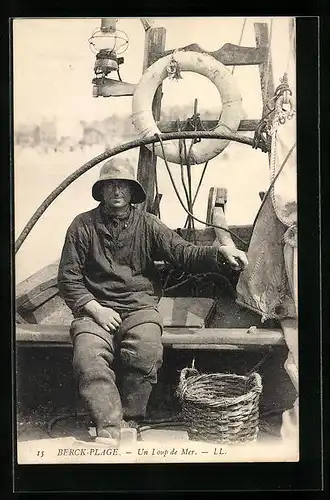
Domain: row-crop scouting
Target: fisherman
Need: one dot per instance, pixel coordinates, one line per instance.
(108, 279)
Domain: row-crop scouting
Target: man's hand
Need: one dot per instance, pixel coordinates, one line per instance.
(236, 258)
(107, 318)
(104, 316)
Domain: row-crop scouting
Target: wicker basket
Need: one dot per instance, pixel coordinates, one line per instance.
(221, 408)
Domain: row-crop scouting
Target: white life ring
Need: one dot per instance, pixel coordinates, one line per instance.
(205, 65)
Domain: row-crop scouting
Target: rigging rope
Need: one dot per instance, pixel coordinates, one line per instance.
(271, 186)
(185, 160)
(194, 122)
(156, 182)
(183, 205)
(191, 223)
(198, 187)
(278, 120)
(182, 172)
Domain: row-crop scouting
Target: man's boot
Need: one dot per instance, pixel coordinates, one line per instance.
(108, 436)
(135, 391)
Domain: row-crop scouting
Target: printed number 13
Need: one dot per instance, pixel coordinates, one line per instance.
(40, 453)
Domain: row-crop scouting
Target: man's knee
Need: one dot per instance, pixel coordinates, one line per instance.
(90, 355)
(142, 349)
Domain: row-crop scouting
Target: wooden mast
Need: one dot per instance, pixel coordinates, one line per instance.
(265, 68)
(154, 45)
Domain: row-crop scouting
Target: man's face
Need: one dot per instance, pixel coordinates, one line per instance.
(116, 193)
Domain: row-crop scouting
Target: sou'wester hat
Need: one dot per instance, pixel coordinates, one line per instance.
(116, 169)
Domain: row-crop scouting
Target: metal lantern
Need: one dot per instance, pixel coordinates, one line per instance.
(107, 43)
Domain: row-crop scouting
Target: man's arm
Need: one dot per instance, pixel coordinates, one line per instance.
(70, 277)
(171, 247)
(71, 283)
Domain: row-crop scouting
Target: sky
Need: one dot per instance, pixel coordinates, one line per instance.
(53, 70)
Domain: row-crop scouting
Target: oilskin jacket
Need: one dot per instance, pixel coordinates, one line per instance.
(111, 260)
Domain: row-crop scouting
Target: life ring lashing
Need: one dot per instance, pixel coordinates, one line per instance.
(218, 74)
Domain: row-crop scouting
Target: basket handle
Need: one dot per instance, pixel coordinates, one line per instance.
(182, 386)
(187, 372)
(257, 382)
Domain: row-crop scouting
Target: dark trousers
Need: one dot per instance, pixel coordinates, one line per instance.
(115, 372)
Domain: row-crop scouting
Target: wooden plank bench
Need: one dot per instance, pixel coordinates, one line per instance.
(177, 338)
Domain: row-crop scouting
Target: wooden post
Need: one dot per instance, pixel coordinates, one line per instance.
(217, 198)
(216, 215)
(265, 68)
(154, 44)
(222, 237)
(210, 205)
(221, 198)
(146, 23)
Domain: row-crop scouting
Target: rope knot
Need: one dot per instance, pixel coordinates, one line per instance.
(173, 69)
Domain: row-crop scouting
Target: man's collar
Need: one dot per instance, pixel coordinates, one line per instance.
(113, 215)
